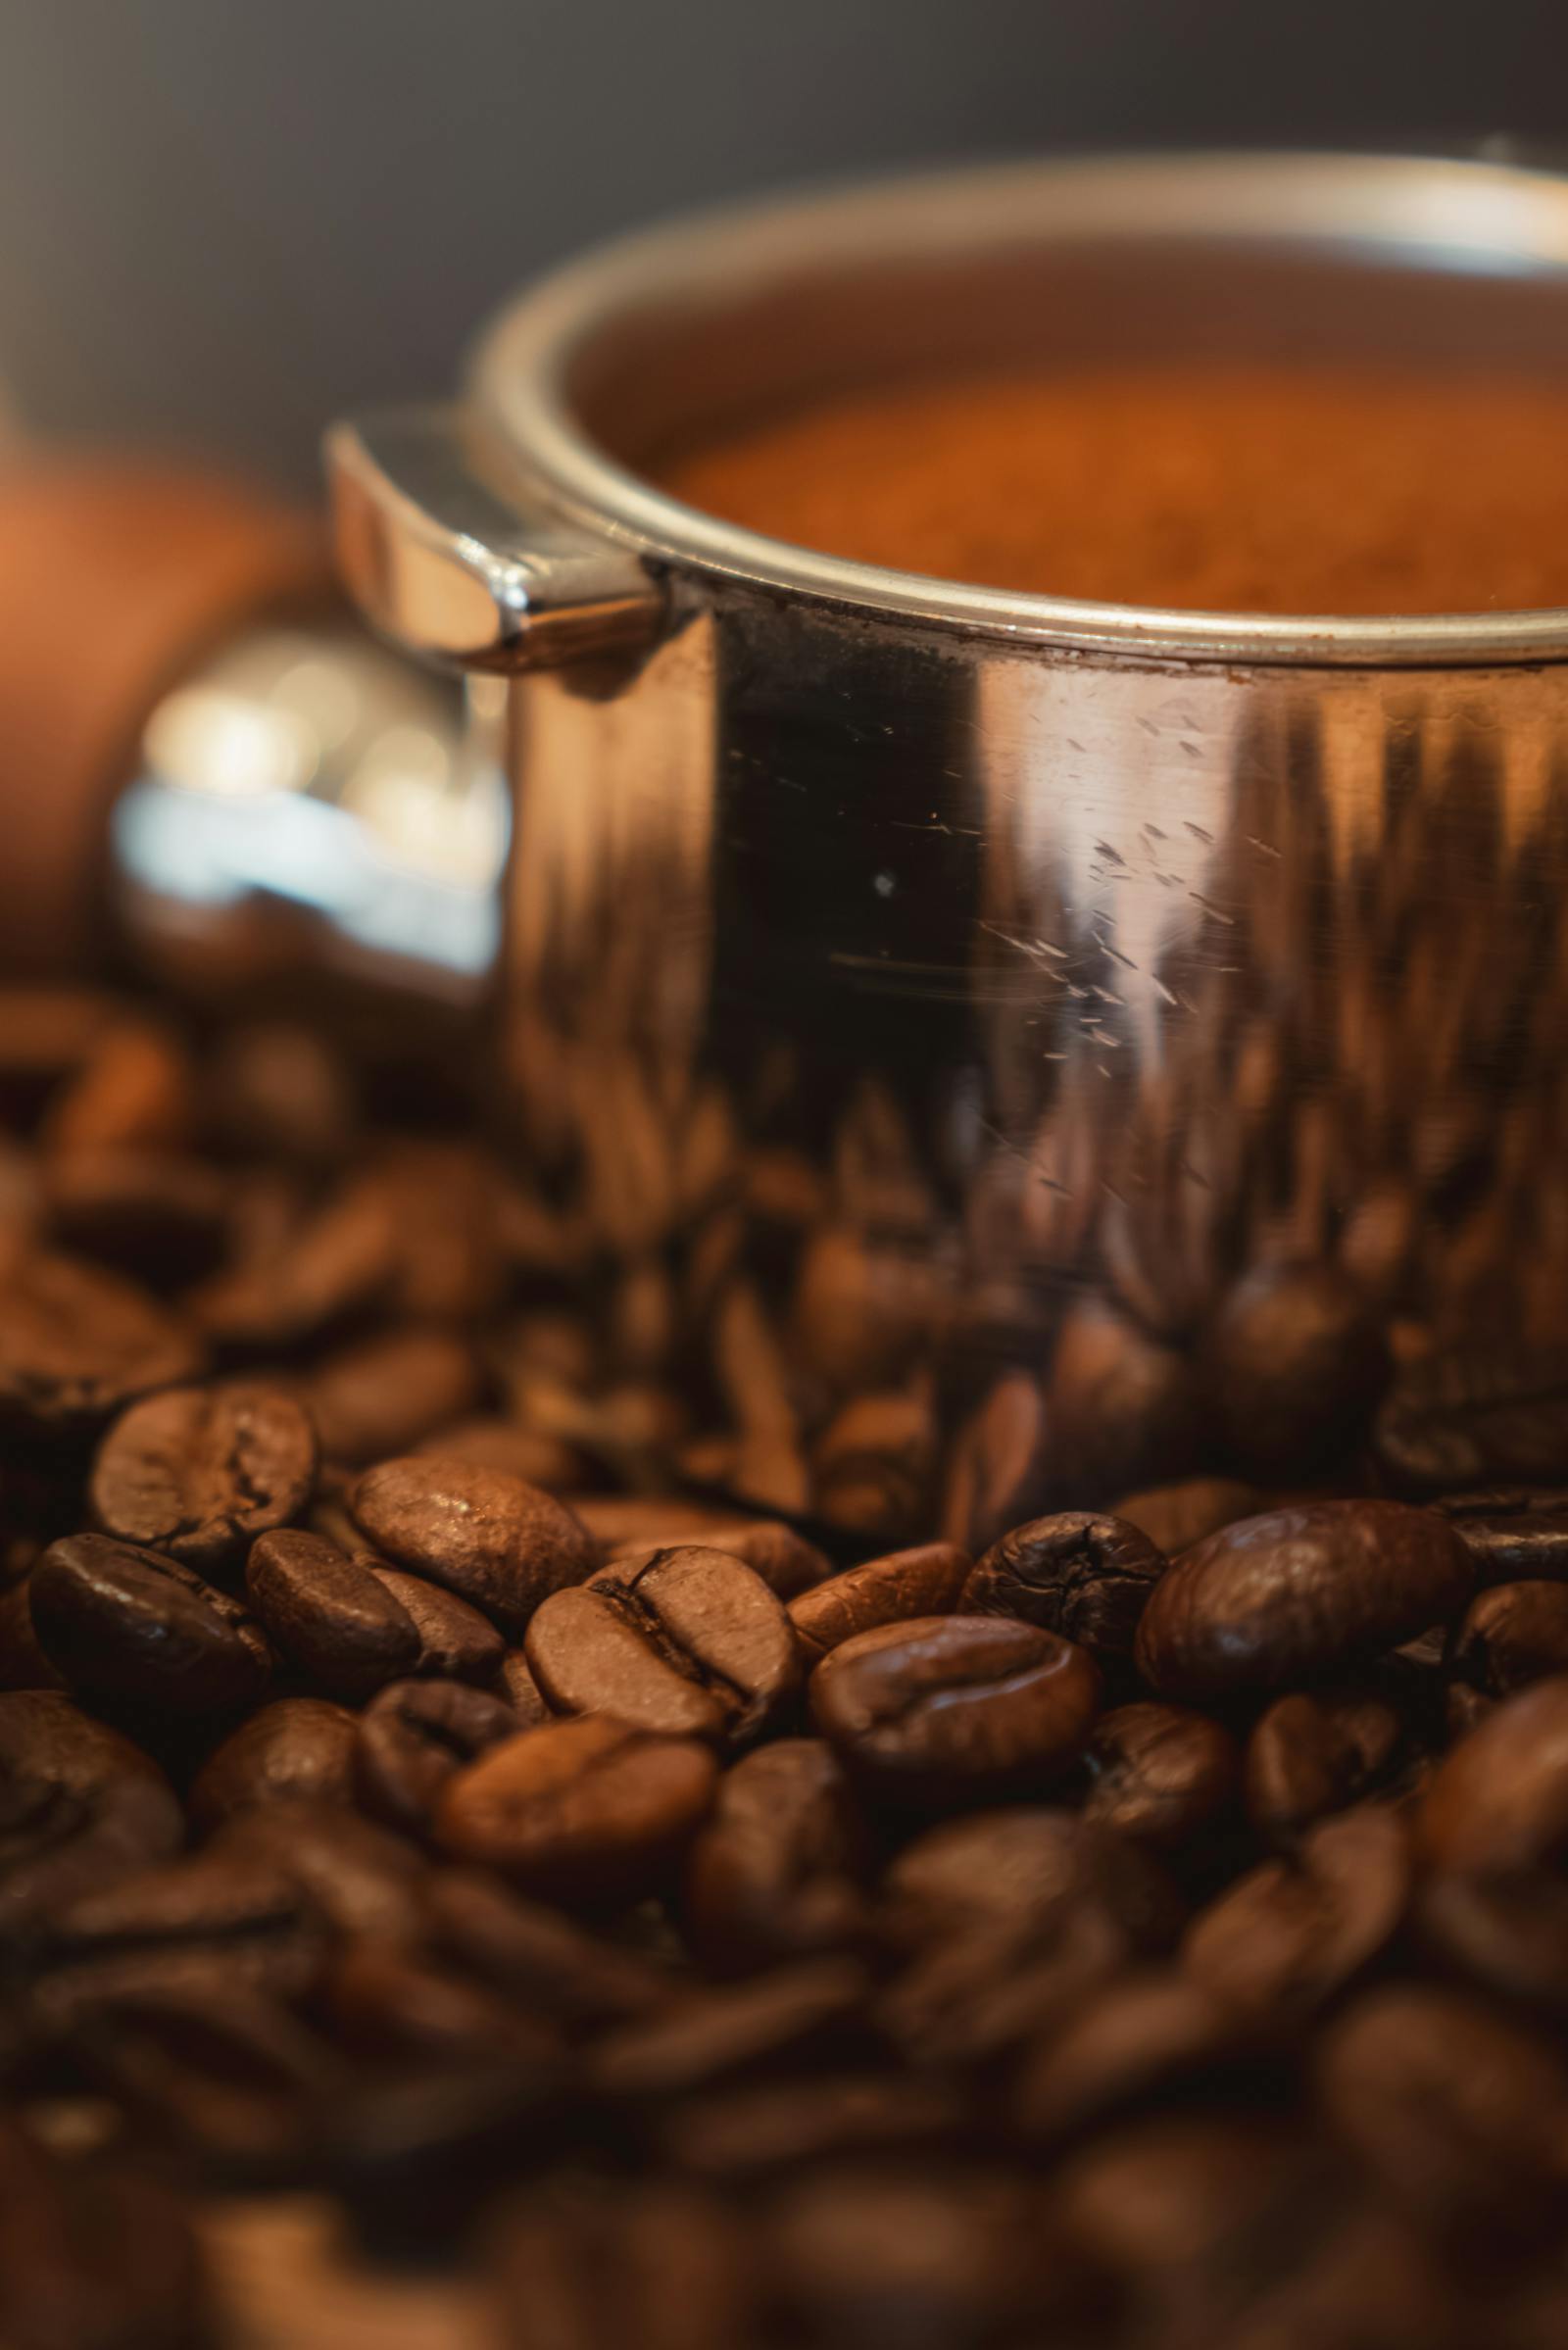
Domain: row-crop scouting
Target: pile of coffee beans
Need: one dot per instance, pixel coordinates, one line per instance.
(1145, 1928)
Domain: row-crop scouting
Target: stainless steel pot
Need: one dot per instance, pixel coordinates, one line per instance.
(1001, 1050)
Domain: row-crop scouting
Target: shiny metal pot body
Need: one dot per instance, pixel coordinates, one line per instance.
(992, 1051)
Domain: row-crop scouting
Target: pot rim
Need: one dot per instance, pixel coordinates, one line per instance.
(1465, 217)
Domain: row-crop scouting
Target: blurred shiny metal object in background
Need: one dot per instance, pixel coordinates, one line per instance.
(1025, 1051)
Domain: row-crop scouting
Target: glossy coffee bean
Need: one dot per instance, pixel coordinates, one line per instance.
(131, 1624)
(414, 1736)
(951, 1708)
(1159, 1774)
(692, 1644)
(198, 1472)
(1279, 1600)
(329, 1615)
(631, 1529)
(774, 1872)
(585, 1811)
(1084, 1577)
(1318, 1752)
(1511, 1634)
(76, 1345)
(497, 1543)
(923, 1581)
(1516, 1537)
(79, 1805)
(1291, 1935)
(295, 1750)
(456, 1641)
(1500, 1799)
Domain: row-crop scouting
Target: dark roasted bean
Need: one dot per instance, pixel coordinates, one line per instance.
(773, 1871)
(1290, 1935)
(923, 1581)
(1140, 2040)
(79, 1805)
(414, 1736)
(1302, 1592)
(1500, 1799)
(330, 1615)
(693, 1644)
(1176, 1516)
(129, 1624)
(537, 1955)
(1318, 1752)
(1498, 1417)
(211, 1918)
(198, 1472)
(76, 1345)
(358, 1876)
(1016, 1876)
(385, 1393)
(1458, 2114)
(774, 2019)
(1511, 1634)
(456, 1641)
(500, 1544)
(157, 1217)
(1293, 1363)
(1159, 1774)
(1507, 1930)
(387, 2001)
(1512, 1538)
(1087, 1578)
(297, 1748)
(588, 1810)
(949, 1708)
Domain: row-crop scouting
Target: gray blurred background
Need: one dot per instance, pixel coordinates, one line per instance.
(220, 222)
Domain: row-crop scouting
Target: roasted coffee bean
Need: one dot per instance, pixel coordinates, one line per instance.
(692, 1644)
(773, 1873)
(131, 1624)
(949, 1708)
(23, 1663)
(198, 1472)
(1487, 1417)
(873, 1465)
(663, 2268)
(134, 1086)
(589, 1810)
(157, 1217)
(860, 2255)
(780, 2018)
(1507, 1930)
(1014, 1877)
(79, 1805)
(1087, 1578)
(534, 1454)
(455, 1642)
(515, 1683)
(1122, 1407)
(329, 1615)
(1159, 1774)
(1142, 2040)
(215, 1918)
(1511, 1634)
(276, 1090)
(633, 1526)
(1279, 1600)
(76, 1345)
(222, 2068)
(1173, 1517)
(536, 1955)
(923, 1581)
(1290, 1935)
(1512, 1537)
(1292, 1365)
(414, 1736)
(1318, 1752)
(382, 1395)
(94, 2256)
(1500, 1799)
(1458, 2113)
(749, 2129)
(358, 1875)
(322, 1271)
(389, 2002)
(997, 1463)
(297, 1748)
(498, 1543)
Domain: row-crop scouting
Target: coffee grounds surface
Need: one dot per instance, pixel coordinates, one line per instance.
(1342, 489)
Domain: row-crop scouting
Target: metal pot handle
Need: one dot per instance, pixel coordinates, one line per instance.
(451, 563)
